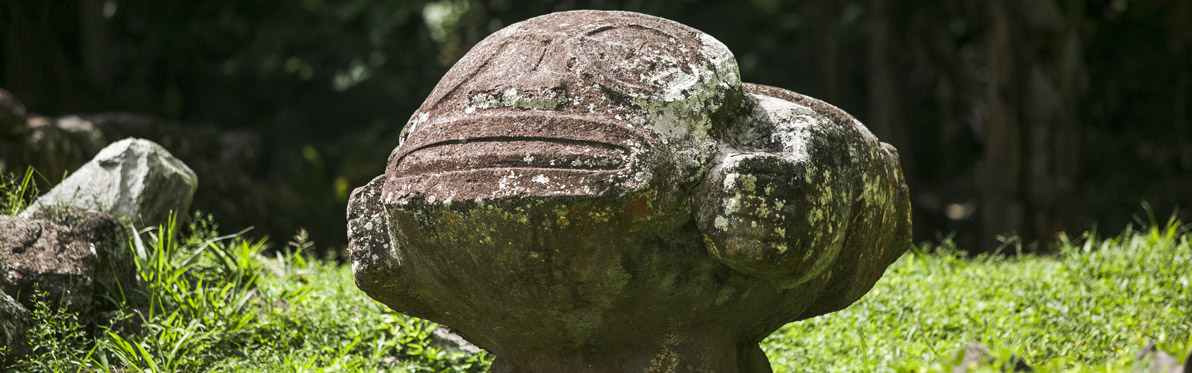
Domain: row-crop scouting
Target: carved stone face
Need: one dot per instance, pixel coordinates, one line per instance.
(612, 113)
(602, 184)
(568, 106)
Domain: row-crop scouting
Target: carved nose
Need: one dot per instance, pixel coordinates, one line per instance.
(513, 153)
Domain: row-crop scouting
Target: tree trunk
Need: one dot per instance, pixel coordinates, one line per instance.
(885, 108)
(1002, 209)
(1066, 145)
(1033, 136)
(881, 79)
(36, 68)
(96, 36)
(827, 18)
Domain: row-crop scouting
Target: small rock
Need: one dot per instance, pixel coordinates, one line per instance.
(977, 356)
(12, 114)
(14, 326)
(229, 163)
(70, 254)
(446, 340)
(131, 178)
(1153, 360)
(76, 257)
(52, 146)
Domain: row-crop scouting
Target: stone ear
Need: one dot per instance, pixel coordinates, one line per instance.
(368, 229)
(748, 214)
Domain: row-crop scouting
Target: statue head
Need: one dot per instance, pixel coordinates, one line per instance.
(609, 109)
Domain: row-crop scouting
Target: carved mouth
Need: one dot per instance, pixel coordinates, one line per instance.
(513, 153)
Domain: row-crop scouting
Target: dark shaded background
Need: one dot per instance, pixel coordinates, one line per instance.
(1014, 118)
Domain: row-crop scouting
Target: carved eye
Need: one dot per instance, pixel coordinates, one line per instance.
(633, 60)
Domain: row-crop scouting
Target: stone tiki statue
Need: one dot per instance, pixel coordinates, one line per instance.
(598, 191)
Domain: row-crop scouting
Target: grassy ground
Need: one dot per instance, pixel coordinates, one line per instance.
(215, 303)
(1092, 307)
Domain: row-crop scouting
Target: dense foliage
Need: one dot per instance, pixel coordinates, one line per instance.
(1026, 117)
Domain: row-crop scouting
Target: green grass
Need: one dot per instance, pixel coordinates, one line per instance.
(212, 302)
(1091, 307)
(215, 303)
(16, 192)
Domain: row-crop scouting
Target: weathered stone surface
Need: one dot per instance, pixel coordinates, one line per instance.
(132, 178)
(52, 146)
(975, 357)
(77, 258)
(446, 340)
(12, 114)
(598, 191)
(70, 254)
(1153, 360)
(14, 325)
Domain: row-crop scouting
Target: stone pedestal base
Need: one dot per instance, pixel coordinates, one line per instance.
(671, 354)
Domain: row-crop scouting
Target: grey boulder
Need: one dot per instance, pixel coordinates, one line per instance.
(14, 325)
(52, 146)
(132, 178)
(79, 259)
(1153, 360)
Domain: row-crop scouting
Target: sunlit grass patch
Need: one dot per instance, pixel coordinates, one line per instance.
(17, 192)
(216, 303)
(1091, 307)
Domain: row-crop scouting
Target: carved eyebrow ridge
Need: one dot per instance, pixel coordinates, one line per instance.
(601, 155)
